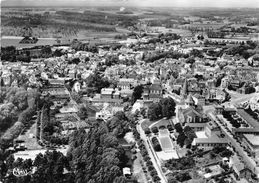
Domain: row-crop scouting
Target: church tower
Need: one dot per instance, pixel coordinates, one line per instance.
(184, 89)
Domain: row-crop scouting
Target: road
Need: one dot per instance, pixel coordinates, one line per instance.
(151, 153)
(250, 163)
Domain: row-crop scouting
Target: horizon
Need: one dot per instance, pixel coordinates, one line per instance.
(232, 4)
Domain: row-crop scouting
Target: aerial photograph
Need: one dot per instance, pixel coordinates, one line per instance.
(129, 91)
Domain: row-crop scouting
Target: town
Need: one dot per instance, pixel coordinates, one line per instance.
(154, 104)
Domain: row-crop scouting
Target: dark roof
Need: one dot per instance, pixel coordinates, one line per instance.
(196, 125)
(108, 100)
(155, 87)
(191, 110)
(246, 130)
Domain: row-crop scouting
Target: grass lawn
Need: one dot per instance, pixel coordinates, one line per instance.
(162, 122)
(148, 124)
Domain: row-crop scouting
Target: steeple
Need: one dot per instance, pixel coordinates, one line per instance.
(184, 89)
(189, 101)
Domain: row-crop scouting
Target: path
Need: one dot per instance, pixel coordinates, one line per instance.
(152, 155)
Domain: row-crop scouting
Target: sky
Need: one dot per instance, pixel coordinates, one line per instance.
(141, 3)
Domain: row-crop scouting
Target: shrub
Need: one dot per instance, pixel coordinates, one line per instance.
(153, 173)
(147, 131)
(149, 163)
(146, 158)
(154, 129)
(13, 132)
(170, 127)
(150, 168)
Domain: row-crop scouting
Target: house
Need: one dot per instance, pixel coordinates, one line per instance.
(235, 83)
(212, 129)
(124, 93)
(56, 82)
(215, 170)
(237, 166)
(76, 86)
(242, 131)
(199, 99)
(126, 83)
(224, 82)
(153, 92)
(190, 114)
(139, 104)
(107, 93)
(91, 111)
(209, 143)
(252, 144)
(197, 126)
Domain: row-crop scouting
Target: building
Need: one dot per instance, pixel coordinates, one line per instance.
(126, 83)
(107, 93)
(209, 143)
(153, 92)
(212, 129)
(190, 115)
(251, 142)
(237, 166)
(224, 82)
(197, 126)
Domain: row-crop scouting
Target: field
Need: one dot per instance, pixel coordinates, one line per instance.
(64, 23)
(14, 41)
(166, 144)
(165, 140)
(162, 122)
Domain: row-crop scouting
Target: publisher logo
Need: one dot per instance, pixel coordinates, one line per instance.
(19, 172)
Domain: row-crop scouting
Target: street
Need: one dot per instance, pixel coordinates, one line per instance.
(152, 155)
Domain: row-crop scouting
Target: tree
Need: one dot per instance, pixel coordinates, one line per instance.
(74, 61)
(111, 60)
(172, 179)
(183, 176)
(154, 111)
(82, 112)
(147, 131)
(120, 179)
(137, 93)
(168, 107)
(170, 127)
(196, 53)
(76, 97)
(96, 156)
(119, 124)
(178, 127)
(190, 60)
(96, 81)
(181, 139)
(156, 144)
(154, 129)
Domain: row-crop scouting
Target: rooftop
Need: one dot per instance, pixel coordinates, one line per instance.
(253, 139)
(248, 118)
(210, 140)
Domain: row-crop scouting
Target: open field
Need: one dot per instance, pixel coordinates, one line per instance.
(163, 133)
(165, 140)
(63, 22)
(162, 122)
(166, 144)
(29, 138)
